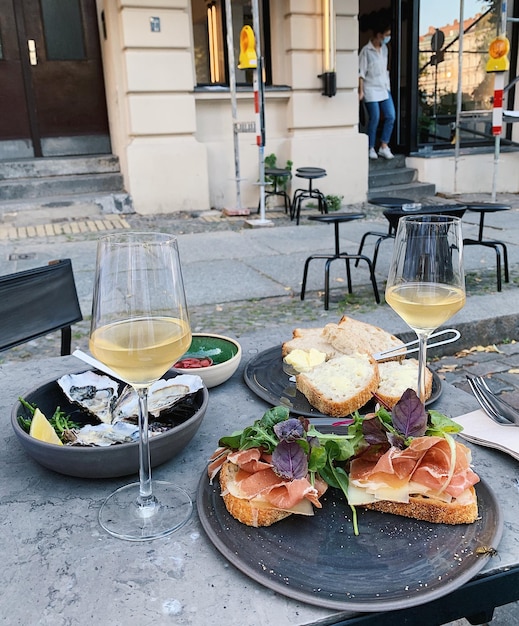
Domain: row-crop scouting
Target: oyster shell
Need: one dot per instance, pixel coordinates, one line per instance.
(94, 392)
(162, 395)
(106, 434)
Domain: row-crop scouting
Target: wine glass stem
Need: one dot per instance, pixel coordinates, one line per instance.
(422, 363)
(146, 495)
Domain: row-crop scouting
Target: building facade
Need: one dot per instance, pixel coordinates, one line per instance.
(149, 81)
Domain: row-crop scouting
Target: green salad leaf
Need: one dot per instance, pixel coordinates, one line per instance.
(60, 421)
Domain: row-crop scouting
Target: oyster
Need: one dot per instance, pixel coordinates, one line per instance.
(94, 392)
(106, 434)
(162, 395)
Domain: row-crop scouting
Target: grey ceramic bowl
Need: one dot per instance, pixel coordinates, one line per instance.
(104, 462)
(224, 352)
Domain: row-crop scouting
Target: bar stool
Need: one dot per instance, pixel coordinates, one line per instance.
(387, 203)
(490, 207)
(278, 175)
(310, 174)
(336, 219)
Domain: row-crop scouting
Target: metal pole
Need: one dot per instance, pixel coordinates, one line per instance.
(498, 85)
(260, 132)
(232, 89)
(459, 96)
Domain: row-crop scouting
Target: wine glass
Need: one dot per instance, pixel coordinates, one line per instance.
(140, 327)
(426, 283)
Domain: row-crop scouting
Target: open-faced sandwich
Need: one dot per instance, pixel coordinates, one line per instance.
(405, 462)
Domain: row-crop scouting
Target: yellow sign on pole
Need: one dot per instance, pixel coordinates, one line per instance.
(248, 59)
(498, 51)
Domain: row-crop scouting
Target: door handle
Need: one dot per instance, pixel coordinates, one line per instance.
(33, 59)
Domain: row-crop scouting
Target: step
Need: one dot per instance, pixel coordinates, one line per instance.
(414, 191)
(384, 164)
(391, 176)
(58, 166)
(51, 209)
(18, 189)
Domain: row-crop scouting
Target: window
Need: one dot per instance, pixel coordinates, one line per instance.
(438, 71)
(63, 30)
(210, 40)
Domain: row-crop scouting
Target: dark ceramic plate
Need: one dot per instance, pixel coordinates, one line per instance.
(106, 462)
(265, 376)
(393, 563)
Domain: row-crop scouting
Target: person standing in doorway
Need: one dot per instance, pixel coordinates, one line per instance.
(374, 89)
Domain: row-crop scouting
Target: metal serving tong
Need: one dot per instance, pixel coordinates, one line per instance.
(406, 349)
(496, 408)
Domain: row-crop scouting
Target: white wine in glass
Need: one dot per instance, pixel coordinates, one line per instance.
(140, 327)
(426, 281)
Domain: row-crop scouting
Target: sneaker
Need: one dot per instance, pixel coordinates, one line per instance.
(386, 153)
(372, 154)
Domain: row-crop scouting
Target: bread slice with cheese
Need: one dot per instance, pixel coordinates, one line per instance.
(350, 336)
(341, 385)
(396, 377)
(431, 479)
(254, 512)
(306, 339)
(258, 511)
(458, 511)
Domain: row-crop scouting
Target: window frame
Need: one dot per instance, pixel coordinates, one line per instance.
(265, 35)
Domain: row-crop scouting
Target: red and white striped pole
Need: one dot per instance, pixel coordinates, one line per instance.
(258, 105)
(497, 111)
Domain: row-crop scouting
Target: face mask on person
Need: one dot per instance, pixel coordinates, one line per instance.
(386, 39)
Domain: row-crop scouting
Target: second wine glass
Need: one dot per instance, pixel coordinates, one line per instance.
(139, 328)
(426, 283)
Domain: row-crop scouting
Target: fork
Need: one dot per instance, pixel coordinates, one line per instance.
(497, 409)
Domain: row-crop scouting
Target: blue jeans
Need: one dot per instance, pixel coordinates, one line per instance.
(387, 108)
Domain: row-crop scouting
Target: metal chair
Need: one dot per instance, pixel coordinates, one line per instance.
(278, 175)
(310, 174)
(36, 302)
(336, 219)
(482, 208)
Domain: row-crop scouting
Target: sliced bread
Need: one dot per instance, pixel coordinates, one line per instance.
(350, 336)
(341, 385)
(397, 376)
(307, 338)
(432, 510)
(250, 512)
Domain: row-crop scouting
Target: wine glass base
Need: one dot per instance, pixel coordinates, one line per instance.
(122, 516)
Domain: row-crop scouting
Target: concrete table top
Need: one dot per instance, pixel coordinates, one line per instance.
(60, 567)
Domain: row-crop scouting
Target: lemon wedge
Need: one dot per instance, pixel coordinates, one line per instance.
(41, 429)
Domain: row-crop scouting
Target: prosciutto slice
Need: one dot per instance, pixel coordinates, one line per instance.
(427, 462)
(257, 479)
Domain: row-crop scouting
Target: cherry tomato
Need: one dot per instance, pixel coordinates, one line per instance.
(193, 362)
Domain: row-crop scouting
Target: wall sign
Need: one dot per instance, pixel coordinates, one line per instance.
(155, 24)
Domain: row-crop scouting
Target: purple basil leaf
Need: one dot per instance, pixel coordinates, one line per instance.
(313, 442)
(396, 440)
(373, 431)
(289, 461)
(409, 416)
(289, 430)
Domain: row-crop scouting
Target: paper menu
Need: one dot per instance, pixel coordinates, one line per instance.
(480, 429)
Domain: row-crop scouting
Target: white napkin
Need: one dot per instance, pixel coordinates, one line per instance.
(480, 429)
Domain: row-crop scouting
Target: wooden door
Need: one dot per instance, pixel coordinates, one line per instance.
(52, 98)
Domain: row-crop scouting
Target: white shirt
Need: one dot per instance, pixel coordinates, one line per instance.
(373, 70)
